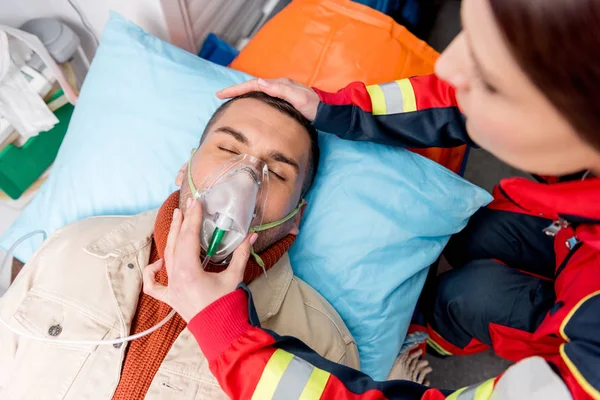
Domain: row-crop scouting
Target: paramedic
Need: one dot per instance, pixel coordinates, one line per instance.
(85, 282)
(525, 75)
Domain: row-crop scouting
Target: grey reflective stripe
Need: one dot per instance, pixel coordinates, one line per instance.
(394, 103)
(468, 393)
(294, 380)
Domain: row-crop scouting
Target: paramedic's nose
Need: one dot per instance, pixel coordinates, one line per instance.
(453, 64)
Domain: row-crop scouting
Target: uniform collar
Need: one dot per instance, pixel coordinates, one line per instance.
(574, 201)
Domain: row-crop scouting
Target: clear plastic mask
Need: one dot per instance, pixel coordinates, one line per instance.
(233, 197)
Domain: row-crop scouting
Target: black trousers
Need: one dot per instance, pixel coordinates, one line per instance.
(493, 260)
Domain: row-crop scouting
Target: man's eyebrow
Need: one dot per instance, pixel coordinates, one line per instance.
(280, 157)
(237, 135)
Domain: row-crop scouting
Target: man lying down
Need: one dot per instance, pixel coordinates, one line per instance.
(85, 283)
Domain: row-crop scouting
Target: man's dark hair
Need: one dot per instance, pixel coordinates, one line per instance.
(289, 110)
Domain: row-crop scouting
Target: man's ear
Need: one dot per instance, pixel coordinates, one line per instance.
(295, 228)
(181, 175)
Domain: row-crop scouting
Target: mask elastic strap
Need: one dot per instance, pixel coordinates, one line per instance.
(283, 220)
(270, 225)
(189, 171)
(258, 260)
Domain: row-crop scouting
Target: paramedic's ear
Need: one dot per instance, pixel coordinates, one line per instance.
(295, 228)
(181, 175)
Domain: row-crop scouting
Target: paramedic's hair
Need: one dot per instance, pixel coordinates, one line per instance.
(557, 44)
(289, 110)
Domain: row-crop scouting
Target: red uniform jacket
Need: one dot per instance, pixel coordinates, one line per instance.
(422, 112)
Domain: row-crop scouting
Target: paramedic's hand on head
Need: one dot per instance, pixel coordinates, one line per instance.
(303, 98)
(191, 288)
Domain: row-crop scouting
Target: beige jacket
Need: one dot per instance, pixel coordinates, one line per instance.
(87, 279)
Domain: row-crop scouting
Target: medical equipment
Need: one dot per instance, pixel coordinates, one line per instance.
(233, 198)
(10, 251)
(60, 40)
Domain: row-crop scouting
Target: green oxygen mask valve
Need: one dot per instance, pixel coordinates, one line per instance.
(223, 224)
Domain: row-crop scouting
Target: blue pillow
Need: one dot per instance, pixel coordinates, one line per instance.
(142, 108)
(377, 216)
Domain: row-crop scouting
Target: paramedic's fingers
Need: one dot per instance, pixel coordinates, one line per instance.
(236, 268)
(239, 89)
(188, 245)
(303, 98)
(151, 287)
(172, 238)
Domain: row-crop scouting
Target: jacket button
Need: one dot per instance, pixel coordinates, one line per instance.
(130, 266)
(55, 330)
(557, 306)
(118, 345)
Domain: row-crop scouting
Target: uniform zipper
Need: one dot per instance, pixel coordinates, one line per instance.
(568, 258)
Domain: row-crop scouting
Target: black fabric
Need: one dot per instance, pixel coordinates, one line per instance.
(252, 314)
(515, 239)
(583, 348)
(433, 127)
(461, 303)
(481, 292)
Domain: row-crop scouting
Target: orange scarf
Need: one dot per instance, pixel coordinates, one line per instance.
(144, 355)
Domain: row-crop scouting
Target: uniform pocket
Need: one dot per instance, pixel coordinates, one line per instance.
(48, 369)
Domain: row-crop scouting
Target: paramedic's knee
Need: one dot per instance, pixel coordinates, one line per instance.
(466, 301)
(469, 244)
(513, 238)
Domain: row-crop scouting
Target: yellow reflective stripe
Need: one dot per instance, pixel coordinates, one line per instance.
(592, 391)
(272, 374)
(484, 391)
(437, 347)
(316, 385)
(454, 395)
(572, 312)
(408, 95)
(377, 99)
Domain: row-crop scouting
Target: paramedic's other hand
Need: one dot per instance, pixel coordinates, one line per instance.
(191, 288)
(303, 98)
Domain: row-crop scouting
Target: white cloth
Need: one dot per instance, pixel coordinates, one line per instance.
(20, 104)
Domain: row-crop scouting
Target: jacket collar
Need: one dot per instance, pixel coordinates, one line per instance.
(268, 291)
(135, 233)
(574, 201)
